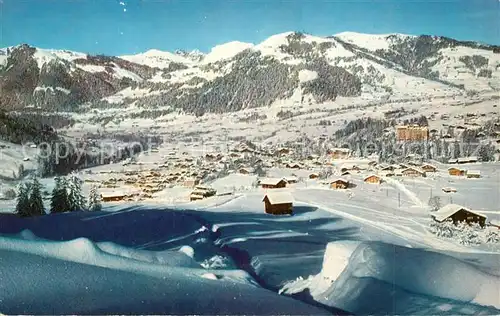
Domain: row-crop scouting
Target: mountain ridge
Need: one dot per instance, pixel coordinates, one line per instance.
(237, 75)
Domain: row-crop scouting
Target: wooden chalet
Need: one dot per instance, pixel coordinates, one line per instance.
(467, 160)
(113, 196)
(473, 174)
(278, 203)
(413, 172)
(428, 167)
(272, 183)
(453, 171)
(339, 184)
(373, 179)
(201, 192)
(458, 213)
(313, 175)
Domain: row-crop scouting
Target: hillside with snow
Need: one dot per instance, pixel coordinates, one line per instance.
(292, 68)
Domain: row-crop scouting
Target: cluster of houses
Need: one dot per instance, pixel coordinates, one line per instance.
(140, 180)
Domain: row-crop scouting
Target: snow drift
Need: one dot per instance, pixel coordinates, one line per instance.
(378, 278)
(39, 276)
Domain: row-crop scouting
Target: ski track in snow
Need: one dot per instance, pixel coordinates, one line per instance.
(413, 197)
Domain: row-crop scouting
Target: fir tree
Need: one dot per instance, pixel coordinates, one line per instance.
(76, 199)
(23, 206)
(60, 200)
(35, 200)
(435, 203)
(94, 200)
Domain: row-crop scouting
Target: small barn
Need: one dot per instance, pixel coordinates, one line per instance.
(278, 203)
(112, 196)
(313, 175)
(272, 183)
(201, 192)
(458, 213)
(428, 167)
(471, 159)
(373, 179)
(456, 171)
(473, 174)
(339, 184)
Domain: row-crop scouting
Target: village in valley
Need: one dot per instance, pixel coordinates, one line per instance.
(415, 189)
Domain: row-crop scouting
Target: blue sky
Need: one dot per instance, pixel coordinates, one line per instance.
(108, 27)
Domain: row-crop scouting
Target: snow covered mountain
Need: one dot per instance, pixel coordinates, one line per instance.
(295, 67)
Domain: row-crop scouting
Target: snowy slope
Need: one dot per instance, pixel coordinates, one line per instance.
(369, 41)
(226, 51)
(43, 56)
(157, 58)
(453, 69)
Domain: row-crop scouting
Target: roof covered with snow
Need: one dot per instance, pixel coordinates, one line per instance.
(473, 172)
(450, 209)
(279, 197)
(339, 179)
(271, 181)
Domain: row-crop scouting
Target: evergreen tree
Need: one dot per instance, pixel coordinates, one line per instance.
(457, 151)
(435, 203)
(60, 200)
(76, 199)
(94, 200)
(35, 200)
(22, 206)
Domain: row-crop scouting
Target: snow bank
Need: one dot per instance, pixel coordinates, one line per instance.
(354, 276)
(44, 277)
(104, 254)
